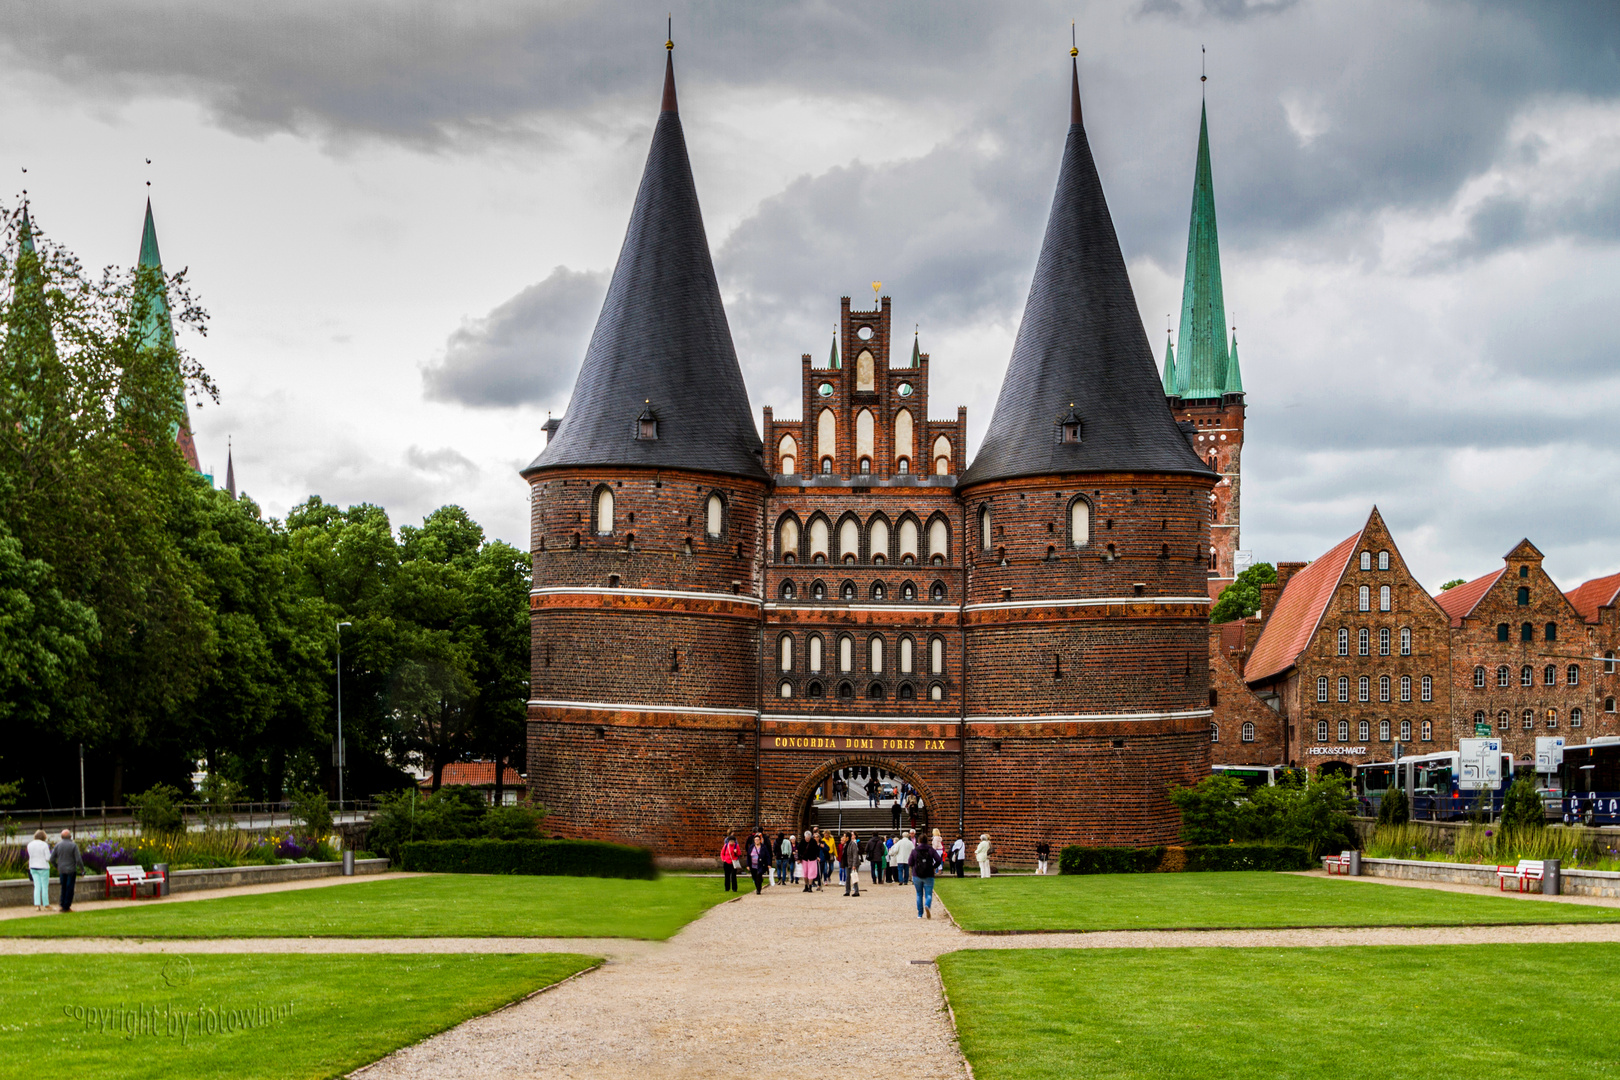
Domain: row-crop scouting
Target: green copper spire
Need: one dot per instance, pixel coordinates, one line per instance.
(1170, 387)
(1203, 368)
(156, 327)
(832, 361)
(1234, 377)
(916, 350)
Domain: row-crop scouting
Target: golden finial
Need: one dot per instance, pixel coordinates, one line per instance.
(669, 41)
(876, 298)
(1074, 42)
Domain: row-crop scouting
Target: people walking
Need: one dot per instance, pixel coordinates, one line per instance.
(900, 855)
(1043, 852)
(730, 860)
(68, 864)
(982, 854)
(894, 813)
(874, 854)
(958, 854)
(924, 862)
(852, 865)
(809, 859)
(39, 868)
(759, 862)
(785, 871)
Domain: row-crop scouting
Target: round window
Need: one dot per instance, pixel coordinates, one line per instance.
(905, 389)
(825, 389)
(864, 333)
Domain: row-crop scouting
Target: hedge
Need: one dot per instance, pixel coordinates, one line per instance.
(572, 858)
(1158, 860)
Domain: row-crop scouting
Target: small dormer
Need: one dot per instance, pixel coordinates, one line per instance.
(1069, 426)
(647, 424)
(550, 427)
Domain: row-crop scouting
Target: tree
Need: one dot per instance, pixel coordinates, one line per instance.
(1241, 598)
(1320, 820)
(1393, 808)
(1452, 584)
(1209, 809)
(1522, 808)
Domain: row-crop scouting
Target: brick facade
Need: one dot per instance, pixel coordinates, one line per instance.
(1219, 441)
(1244, 729)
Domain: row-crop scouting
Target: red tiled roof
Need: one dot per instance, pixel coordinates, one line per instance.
(1459, 602)
(477, 774)
(1299, 612)
(1597, 593)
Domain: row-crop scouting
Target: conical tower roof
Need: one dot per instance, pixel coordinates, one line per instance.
(1081, 346)
(1203, 368)
(662, 346)
(1170, 385)
(156, 329)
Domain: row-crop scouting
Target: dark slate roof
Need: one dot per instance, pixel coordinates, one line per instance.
(1081, 342)
(661, 341)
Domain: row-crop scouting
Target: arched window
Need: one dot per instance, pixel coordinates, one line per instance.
(826, 466)
(846, 691)
(604, 511)
(1428, 688)
(1383, 598)
(1524, 596)
(874, 655)
(1504, 677)
(939, 540)
(942, 456)
(1344, 688)
(1383, 687)
(936, 692)
(907, 692)
(1502, 720)
(786, 689)
(1406, 641)
(865, 437)
(865, 371)
(827, 439)
(908, 591)
(1527, 632)
(1321, 688)
(1479, 676)
(1363, 729)
(1248, 731)
(1344, 731)
(984, 527)
(936, 592)
(1079, 523)
(1576, 718)
(1573, 675)
(908, 541)
(1365, 598)
(1608, 704)
(903, 468)
(1364, 688)
(1383, 731)
(1406, 731)
(902, 437)
(1383, 560)
(1366, 560)
(1383, 641)
(878, 590)
(784, 648)
(787, 590)
(1321, 731)
(787, 539)
(818, 590)
(815, 652)
(878, 532)
(814, 690)
(716, 516)
(1214, 732)
(1406, 688)
(1363, 639)
(866, 466)
(846, 653)
(818, 539)
(907, 661)
(787, 455)
(1608, 662)
(1552, 631)
(846, 591)
(936, 656)
(875, 692)
(1527, 720)
(849, 540)
(1344, 641)
(1549, 676)
(1527, 676)
(1502, 631)
(1428, 730)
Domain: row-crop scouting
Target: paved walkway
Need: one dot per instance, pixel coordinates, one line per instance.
(26, 911)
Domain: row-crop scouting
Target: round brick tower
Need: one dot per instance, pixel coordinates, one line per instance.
(646, 523)
(1086, 521)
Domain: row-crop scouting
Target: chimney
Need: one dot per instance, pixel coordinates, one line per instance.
(1268, 597)
(1286, 570)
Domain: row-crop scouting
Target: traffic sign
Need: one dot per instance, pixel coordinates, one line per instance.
(1481, 762)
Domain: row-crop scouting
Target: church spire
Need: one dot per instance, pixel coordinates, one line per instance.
(1203, 368)
(156, 328)
(1082, 391)
(230, 470)
(832, 359)
(916, 348)
(660, 386)
(1234, 377)
(1170, 389)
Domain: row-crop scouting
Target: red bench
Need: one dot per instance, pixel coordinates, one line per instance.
(132, 878)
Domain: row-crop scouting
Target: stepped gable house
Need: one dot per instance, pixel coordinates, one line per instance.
(719, 626)
(1598, 603)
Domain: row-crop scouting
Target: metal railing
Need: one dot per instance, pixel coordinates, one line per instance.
(250, 816)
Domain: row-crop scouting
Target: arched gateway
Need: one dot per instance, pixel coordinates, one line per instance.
(816, 801)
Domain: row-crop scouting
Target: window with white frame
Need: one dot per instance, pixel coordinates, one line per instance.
(1366, 560)
(1363, 731)
(907, 659)
(1364, 598)
(1383, 688)
(1479, 677)
(1528, 720)
(1344, 688)
(1573, 676)
(785, 649)
(1428, 731)
(1344, 731)
(1248, 731)
(1214, 732)
(1406, 641)
(1504, 677)
(874, 660)
(1527, 676)
(984, 527)
(1608, 662)
(1552, 718)
(846, 653)
(1406, 688)
(1406, 731)
(1344, 641)
(1321, 731)
(1575, 718)
(1363, 642)
(1428, 688)
(1383, 560)
(936, 656)
(1502, 721)
(1549, 675)
(1383, 641)
(716, 524)
(1321, 688)
(604, 510)
(815, 652)
(1383, 598)
(1364, 688)
(1383, 731)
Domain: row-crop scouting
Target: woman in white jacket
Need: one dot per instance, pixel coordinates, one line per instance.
(982, 853)
(39, 868)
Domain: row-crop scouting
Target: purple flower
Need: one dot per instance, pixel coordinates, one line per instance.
(105, 853)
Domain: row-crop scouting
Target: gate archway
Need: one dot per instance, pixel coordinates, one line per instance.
(804, 804)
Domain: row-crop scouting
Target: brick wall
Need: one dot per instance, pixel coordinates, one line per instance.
(1235, 705)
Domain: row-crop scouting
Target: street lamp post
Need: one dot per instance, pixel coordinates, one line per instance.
(342, 758)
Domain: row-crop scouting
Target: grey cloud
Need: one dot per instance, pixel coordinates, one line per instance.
(445, 461)
(527, 350)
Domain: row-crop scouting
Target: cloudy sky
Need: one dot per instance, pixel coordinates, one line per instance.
(402, 218)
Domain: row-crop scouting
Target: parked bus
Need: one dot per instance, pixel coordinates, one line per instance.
(1431, 781)
(1590, 779)
(1253, 776)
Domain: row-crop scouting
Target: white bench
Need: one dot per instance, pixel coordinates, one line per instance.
(1337, 864)
(132, 878)
(1523, 874)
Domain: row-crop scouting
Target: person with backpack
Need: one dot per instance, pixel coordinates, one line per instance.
(1043, 852)
(730, 860)
(923, 863)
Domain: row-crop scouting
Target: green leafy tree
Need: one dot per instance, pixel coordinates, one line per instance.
(157, 809)
(1393, 808)
(1209, 809)
(310, 809)
(1452, 584)
(1522, 808)
(1320, 820)
(1241, 598)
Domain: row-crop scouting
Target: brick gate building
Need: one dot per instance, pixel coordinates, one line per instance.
(721, 623)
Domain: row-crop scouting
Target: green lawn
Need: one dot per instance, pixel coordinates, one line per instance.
(440, 905)
(1409, 1011)
(244, 1017)
(1219, 900)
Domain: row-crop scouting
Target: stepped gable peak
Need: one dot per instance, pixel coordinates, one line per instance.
(660, 386)
(1081, 346)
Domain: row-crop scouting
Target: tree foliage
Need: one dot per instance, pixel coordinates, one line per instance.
(1452, 584)
(1314, 815)
(1521, 807)
(1241, 598)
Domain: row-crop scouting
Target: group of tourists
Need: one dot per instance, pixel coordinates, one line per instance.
(65, 856)
(900, 859)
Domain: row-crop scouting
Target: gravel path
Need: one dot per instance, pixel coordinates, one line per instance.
(751, 982)
(26, 911)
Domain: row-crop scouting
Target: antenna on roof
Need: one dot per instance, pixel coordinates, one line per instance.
(1074, 42)
(1203, 69)
(669, 40)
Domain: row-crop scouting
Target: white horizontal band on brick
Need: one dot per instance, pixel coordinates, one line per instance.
(1095, 717)
(608, 706)
(1010, 604)
(563, 590)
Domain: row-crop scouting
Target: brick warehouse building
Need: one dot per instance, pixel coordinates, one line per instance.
(719, 623)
